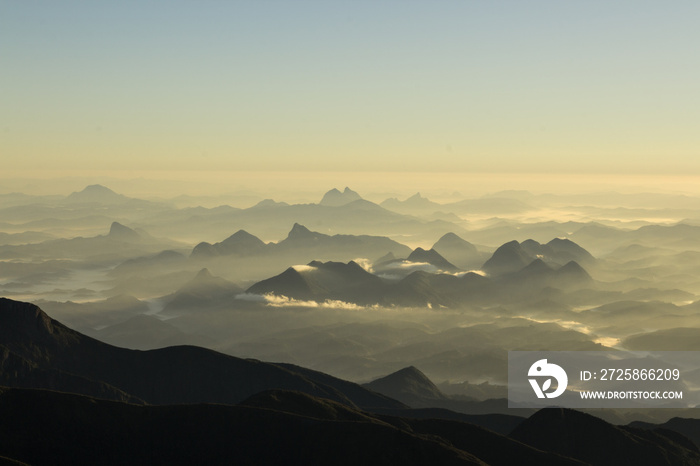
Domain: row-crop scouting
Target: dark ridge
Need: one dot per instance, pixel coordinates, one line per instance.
(178, 374)
(590, 439)
(44, 427)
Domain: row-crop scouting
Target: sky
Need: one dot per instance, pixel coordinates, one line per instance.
(466, 86)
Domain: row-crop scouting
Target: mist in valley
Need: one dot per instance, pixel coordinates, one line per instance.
(360, 289)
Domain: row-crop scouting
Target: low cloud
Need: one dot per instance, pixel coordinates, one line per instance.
(273, 300)
(303, 268)
(364, 263)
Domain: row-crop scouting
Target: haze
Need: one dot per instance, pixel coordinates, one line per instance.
(374, 201)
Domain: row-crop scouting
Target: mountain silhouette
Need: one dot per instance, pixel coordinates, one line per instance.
(165, 258)
(202, 291)
(44, 427)
(59, 358)
(119, 244)
(513, 256)
(301, 234)
(509, 257)
(301, 239)
(301, 243)
(459, 252)
(408, 385)
(240, 243)
(119, 232)
(335, 198)
(689, 428)
(590, 439)
(268, 203)
(415, 204)
(324, 280)
(531, 280)
(96, 194)
(289, 283)
(566, 251)
(431, 256)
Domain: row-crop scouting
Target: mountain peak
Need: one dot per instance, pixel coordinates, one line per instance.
(240, 243)
(334, 198)
(409, 385)
(122, 233)
(537, 266)
(510, 257)
(299, 231)
(21, 323)
(269, 203)
(574, 270)
(433, 257)
(458, 251)
(242, 236)
(96, 193)
(203, 274)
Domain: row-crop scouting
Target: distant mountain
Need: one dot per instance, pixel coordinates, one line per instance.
(320, 281)
(271, 220)
(163, 260)
(92, 314)
(96, 194)
(56, 357)
(119, 244)
(531, 280)
(240, 243)
(590, 439)
(408, 385)
(508, 258)
(119, 232)
(335, 198)
(671, 339)
(461, 253)
(202, 291)
(428, 289)
(558, 251)
(300, 238)
(566, 250)
(419, 205)
(513, 256)
(431, 256)
(349, 282)
(145, 332)
(415, 204)
(269, 203)
(302, 243)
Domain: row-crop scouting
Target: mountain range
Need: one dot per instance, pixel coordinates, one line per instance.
(76, 400)
(40, 352)
(300, 242)
(349, 282)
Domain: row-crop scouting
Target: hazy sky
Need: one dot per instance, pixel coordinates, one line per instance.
(448, 86)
